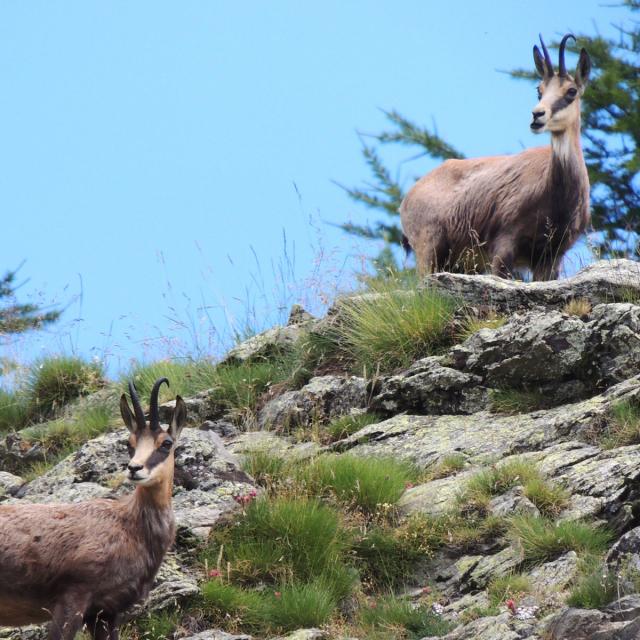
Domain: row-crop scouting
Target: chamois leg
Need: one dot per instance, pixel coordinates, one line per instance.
(503, 260)
(68, 616)
(102, 627)
(430, 256)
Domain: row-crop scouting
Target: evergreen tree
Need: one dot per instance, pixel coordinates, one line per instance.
(16, 317)
(611, 139)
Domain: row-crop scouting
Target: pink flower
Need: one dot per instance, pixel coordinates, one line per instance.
(277, 594)
(511, 605)
(373, 604)
(426, 589)
(214, 573)
(408, 485)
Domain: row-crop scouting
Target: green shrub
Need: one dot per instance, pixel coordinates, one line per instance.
(385, 559)
(364, 483)
(543, 540)
(395, 616)
(283, 539)
(157, 626)
(348, 425)
(510, 586)
(54, 382)
(595, 588)
(392, 328)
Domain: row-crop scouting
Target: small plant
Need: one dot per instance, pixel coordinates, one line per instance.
(54, 382)
(392, 327)
(282, 539)
(542, 540)
(577, 307)
(14, 410)
(397, 617)
(510, 586)
(595, 588)
(550, 499)
(385, 558)
(624, 425)
(472, 323)
(157, 626)
(266, 467)
(513, 401)
(233, 605)
(364, 483)
(301, 605)
(348, 425)
(449, 465)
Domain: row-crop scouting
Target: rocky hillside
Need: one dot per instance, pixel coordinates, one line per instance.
(489, 490)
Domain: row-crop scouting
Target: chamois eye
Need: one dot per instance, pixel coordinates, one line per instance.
(572, 92)
(167, 444)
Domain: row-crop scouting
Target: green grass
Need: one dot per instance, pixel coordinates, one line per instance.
(54, 382)
(449, 465)
(481, 488)
(514, 586)
(385, 559)
(395, 617)
(282, 539)
(186, 378)
(543, 540)
(348, 425)
(364, 483)
(473, 323)
(392, 328)
(265, 466)
(624, 425)
(14, 410)
(595, 588)
(514, 401)
(157, 626)
(234, 606)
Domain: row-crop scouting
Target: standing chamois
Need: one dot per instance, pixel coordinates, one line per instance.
(84, 564)
(506, 212)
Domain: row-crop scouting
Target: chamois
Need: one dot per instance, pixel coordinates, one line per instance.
(524, 210)
(86, 563)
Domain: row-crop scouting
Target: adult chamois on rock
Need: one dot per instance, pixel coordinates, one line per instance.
(84, 564)
(514, 211)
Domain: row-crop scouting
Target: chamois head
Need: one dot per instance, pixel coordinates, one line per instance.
(558, 93)
(151, 446)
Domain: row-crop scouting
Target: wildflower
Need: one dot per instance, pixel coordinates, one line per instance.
(426, 590)
(437, 608)
(214, 573)
(277, 594)
(511, 605)
(408, 485)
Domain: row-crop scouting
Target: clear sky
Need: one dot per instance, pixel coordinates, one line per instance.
(167, 168)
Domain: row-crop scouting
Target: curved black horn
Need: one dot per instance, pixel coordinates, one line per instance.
(547, 57)
(562, 69)
(137, 407)
(154, 414)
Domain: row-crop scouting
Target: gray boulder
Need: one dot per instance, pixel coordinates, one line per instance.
(604, 281)
(324, 398)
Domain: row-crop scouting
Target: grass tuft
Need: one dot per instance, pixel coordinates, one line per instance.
(595, 588)
(502, 588)
(54, 382)
(513, 401)
(397, 617)
(577, 307)
(624, 425)
(14, 410)
(472, 323)
(543, 540)
(348, 425)
(364, 483)
(392, 327)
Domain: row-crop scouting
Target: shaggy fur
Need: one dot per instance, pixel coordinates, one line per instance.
(85, 564)
(507, 212)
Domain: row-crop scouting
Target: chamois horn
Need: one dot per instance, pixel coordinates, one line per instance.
(137, 407)
(547, 57)
(154, 414)
(562, 69)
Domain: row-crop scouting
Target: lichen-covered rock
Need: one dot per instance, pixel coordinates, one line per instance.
(577, 624)
(269, 442)
(429, 387)
(435, 497)
(555, 575)
(604, 281)
(511, 502)
(500, 627)
(9, 484)
(30, 632)
(200, 408)
(531, 348)
(322, 399)
(305, 634)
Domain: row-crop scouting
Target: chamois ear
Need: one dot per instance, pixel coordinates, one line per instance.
(179, 418)
(583, 69)
(126, 413)
(539, 61)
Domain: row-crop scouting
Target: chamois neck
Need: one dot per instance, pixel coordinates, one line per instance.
(566, 148)
(157, 496)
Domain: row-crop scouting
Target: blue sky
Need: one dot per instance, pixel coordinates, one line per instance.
(168, 168)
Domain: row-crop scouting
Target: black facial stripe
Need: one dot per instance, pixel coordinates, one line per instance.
(561, 103)
(157, 457)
